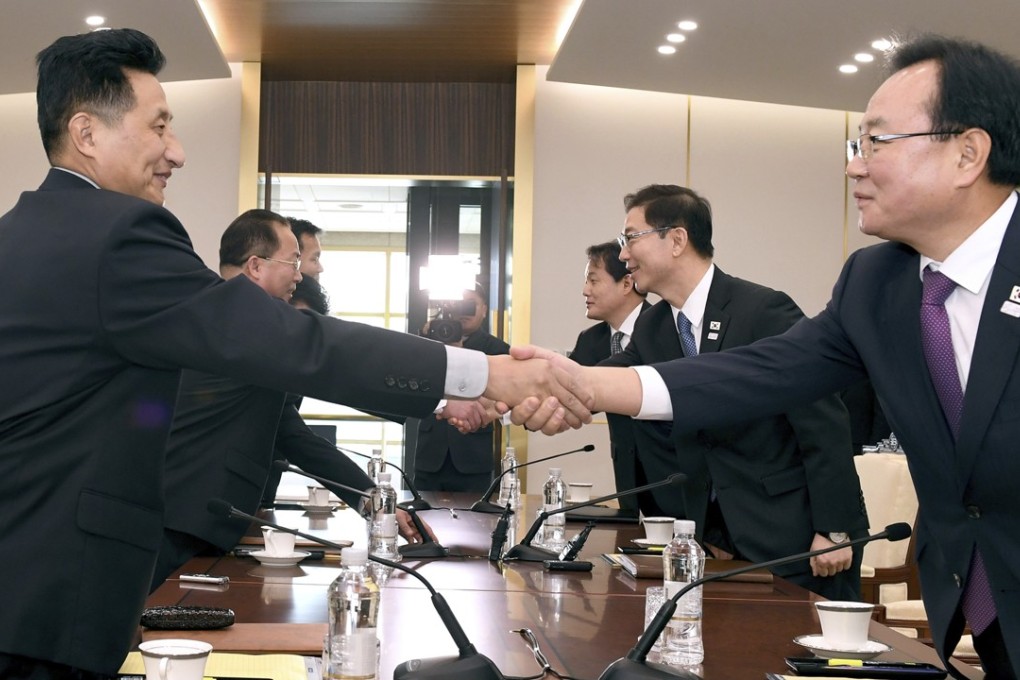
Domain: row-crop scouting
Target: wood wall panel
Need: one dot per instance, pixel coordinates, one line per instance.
(387, 128)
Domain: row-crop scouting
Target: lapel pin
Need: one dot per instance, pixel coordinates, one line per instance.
(717, 325)
(1011, 309)
(713, 336)
(1014, 295)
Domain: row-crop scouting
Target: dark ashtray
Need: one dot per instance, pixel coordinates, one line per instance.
(187, 618)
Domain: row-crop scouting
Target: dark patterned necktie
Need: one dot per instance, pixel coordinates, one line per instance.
(616, 343)
(683, 325)
(978, 605)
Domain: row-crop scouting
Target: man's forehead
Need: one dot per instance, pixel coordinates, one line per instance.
(903, 96)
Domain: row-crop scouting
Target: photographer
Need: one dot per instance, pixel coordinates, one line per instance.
(445, 459)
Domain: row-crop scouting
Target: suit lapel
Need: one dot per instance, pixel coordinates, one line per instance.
(716, 321)
(995, 350)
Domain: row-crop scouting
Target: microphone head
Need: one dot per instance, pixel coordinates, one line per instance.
(588, 447)
(898, 531)
(220, 507)
(677, 478)
(281, 464)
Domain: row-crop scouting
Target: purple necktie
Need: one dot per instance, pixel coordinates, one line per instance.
(978, 605)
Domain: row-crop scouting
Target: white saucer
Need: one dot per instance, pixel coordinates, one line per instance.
(279, 560)
(318, 509)
(645, 543)
(826, 650)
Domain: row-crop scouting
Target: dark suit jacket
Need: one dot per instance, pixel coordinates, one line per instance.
(778, 479)
(966, 490)
(113, 302)
(221, 446)
(593, 346)
(470, 453)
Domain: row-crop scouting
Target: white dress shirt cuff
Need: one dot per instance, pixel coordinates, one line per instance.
(467, 373)
(655, 401)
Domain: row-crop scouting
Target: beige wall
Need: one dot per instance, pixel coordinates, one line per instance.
(204, 194)
(774, 176)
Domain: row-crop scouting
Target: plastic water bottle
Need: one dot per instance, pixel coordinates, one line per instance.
(376, 465)
(683, 561)
(555, 496)
(510, 484)
(352, 643)
(382, 533)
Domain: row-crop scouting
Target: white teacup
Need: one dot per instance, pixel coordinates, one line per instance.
(579, 492)
(658, 530)
(845, 624)
(278, 543)
(318, 496)
(174, 659)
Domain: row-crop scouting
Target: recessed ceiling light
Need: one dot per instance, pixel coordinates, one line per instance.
(667, 49)
(864, 57)
(882, 44)
(95, 20)
(848, 68)
(687, 25)
(676, 37)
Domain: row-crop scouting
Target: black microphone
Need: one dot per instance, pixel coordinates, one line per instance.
(418, 503)
(499, 534)
(526, 552)
(467, 665)
(573, 547)
(634, 667)
(428, 546)
(484, 505)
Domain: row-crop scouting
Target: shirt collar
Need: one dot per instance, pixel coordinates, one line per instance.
(77, 174)
(694, 307)
(628, 324)
(971, 264)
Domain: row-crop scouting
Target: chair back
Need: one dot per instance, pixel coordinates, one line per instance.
(890, 498)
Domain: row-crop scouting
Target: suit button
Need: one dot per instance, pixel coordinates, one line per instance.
(402, 383)
(425, 386)
(390, 382)
(413, 384)
(974, 512)
(959, 581)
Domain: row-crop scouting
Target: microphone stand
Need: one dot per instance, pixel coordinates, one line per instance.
(418, 503)
(484, 505)
(634, 666)
(428, 547)
(525, 552)
(467, 665)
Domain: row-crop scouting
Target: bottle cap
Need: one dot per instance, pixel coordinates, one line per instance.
(385, 476)
(377, 453)
(510, 451)
(683, 526)
(354, 557)
(555, 472)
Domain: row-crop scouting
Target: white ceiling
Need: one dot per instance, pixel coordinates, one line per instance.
(778, 51)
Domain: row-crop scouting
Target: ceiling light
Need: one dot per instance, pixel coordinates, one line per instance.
(864, 57)
(848, 68)
(667, 49)
(687, 25)
(676, 37)
(95, 20)
(882, 44)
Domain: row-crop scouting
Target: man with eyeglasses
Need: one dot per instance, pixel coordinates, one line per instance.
(760, 489)
(225, 430)
(932, 318)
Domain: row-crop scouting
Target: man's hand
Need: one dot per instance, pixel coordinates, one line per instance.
(536, 372)
(407, 529)
(831, 563)
(468, 416)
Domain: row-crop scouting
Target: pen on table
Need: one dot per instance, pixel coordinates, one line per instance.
(640, 551)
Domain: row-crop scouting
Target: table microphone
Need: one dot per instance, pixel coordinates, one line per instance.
(483, 504)
(525, 552)
(634, 667)
(467, 665)
(428, 546)
(418, 503)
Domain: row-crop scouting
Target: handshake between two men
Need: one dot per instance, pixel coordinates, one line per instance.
(545, 391)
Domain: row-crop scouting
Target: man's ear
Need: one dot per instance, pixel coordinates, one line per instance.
(974, 145)
(628, 283)
(253, 267)
(80, 131)
(680, 239)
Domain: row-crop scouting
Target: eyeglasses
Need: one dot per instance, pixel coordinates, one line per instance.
(547, 668)
(624, 239)
(864, 145)
(296, 264)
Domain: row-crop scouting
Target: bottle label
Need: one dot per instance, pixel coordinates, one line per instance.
(388, 526)
(358, 654)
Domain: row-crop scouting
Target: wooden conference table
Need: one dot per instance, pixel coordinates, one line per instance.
(583, 620)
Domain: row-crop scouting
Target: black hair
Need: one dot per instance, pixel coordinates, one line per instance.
(669, 205)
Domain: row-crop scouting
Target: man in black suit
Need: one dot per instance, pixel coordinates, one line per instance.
(759, 489)
(611, 299)
(932, 318)
(91, 361)
(446, 459)
(224, 430)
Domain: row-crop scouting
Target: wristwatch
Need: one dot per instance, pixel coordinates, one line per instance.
(838, 536)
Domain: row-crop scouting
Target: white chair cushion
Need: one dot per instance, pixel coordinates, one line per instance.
(906, 610)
